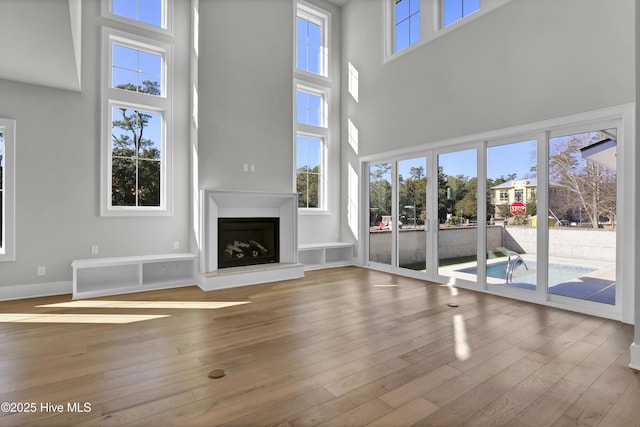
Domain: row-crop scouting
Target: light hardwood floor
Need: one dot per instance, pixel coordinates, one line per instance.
(340, 347)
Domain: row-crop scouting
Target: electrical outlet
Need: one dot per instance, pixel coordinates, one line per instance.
(42, 270)
(176, 245)
(95, 250)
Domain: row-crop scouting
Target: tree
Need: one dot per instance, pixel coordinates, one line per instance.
(135, 179)
(379, 192)
(592, 186)
(307, 182)
(413, 192)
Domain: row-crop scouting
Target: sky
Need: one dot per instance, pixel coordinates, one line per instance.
(502, 160)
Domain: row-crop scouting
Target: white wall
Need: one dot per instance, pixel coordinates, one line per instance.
(246, 93)
(58, 169)
(524, 62)
(246, 103)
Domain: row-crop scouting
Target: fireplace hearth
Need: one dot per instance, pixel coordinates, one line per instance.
(248, 241)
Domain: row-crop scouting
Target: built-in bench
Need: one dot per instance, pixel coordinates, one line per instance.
(110, 276)
(325, 255)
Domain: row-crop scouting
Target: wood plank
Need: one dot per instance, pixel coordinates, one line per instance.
(332, 348)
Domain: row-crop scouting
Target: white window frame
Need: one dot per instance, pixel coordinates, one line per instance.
(167, 17)
(157, 104)
(323, 19)
(323, 93)
(321, 132)
(7, 252)
(431, 24)
(395, 27)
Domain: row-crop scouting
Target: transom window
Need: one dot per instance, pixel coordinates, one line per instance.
(412, 23)
(150, 12)
(407, 23)
(311, 40)
(136, 70)
(455, 10)
(310, 107)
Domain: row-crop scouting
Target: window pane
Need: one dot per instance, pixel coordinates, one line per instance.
(136, 70)
(511, 228)
(145, 11)
(150, 12)
(123, 182)
(309, 108)
(309, 46)
(452, 11)
(407, 23)
(136, 154)
(402, 35)
(470, 6)
(414, 29)
(308, 171)
(149, 182)
(583, 206)
(402, 10)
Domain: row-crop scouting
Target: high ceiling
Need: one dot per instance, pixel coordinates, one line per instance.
(41, 42)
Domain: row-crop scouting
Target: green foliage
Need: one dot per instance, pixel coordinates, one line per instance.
(136, 166)
(307, 183)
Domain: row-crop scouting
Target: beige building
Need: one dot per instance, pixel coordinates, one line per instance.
(524, 190)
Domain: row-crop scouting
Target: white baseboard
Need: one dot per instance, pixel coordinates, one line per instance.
(635, 356)
(35, 290)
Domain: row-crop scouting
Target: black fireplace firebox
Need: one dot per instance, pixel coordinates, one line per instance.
(248, 241)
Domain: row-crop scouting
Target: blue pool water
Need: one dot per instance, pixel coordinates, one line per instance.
(558, 273)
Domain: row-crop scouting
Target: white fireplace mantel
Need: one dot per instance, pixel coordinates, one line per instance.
(246, 204)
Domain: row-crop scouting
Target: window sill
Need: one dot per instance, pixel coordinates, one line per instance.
(313, 212)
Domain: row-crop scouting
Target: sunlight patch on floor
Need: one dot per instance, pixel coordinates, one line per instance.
(462, 349)
(193, 305)
(77, 318)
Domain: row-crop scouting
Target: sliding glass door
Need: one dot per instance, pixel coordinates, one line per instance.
(512, 211)
(458, 214)
(583, 207)
(398, 215)
(412, 214)
(534, 218)
(380, 213)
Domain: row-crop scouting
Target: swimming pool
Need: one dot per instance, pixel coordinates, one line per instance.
(558, 273)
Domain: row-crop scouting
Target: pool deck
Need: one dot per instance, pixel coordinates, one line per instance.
(597, 286)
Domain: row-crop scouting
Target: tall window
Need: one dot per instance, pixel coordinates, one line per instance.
(311, 123)
(311, 40)
(137, 110)
(7, 197)
(407, 23)
(311, 137)
(455, 10)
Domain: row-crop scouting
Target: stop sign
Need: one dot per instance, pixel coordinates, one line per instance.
(518, 208)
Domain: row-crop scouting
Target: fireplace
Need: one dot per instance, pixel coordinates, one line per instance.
(241, 206)
(248, 241)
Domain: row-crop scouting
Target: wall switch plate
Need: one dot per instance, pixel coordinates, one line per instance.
(42, 270)
(245, 167)
(176, 245)
(95, 250)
